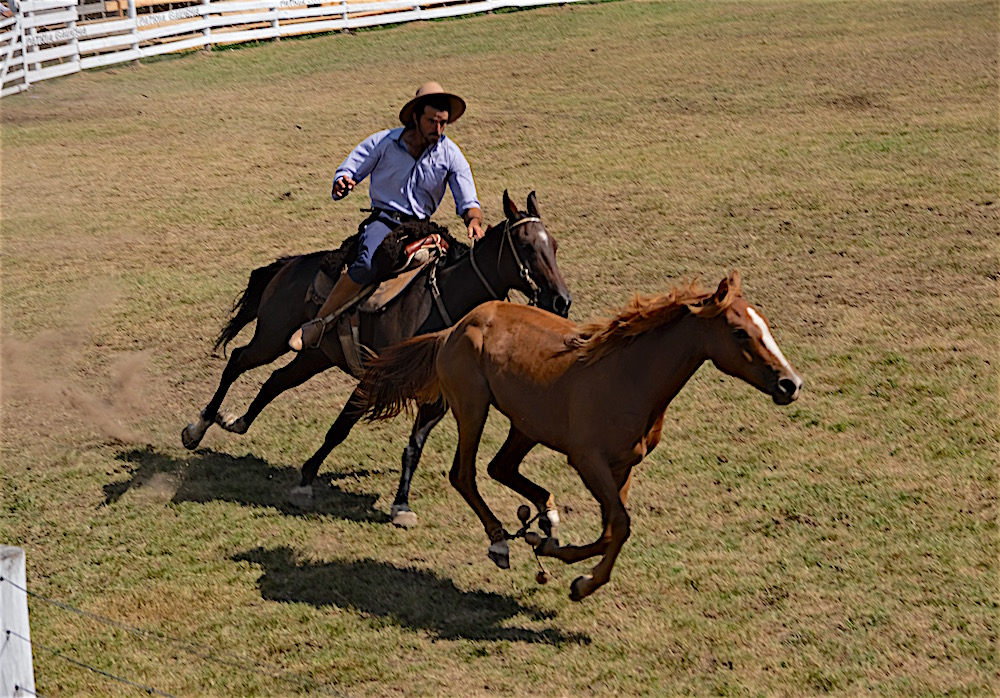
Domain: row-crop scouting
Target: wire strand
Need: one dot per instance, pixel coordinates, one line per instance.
(18, 687)
(187, 646)
(148, 689)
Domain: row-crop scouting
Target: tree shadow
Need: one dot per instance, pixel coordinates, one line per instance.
(408, 597)
(208, 476)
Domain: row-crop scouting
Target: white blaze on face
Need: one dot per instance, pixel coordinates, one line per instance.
(768, 339)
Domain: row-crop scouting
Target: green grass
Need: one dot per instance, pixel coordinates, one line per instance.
(842, 155)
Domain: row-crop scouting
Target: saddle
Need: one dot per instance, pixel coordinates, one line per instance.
(416, 257)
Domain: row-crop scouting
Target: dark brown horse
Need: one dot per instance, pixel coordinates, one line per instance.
(597, 393)
(518, 253)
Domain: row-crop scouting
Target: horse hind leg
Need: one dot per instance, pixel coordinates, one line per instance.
(505, 469)
(470, 409)
(300, 369)
(193, 433)
(257, 353)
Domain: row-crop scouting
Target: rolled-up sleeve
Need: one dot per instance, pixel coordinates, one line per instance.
(461, 183)
(360, 163)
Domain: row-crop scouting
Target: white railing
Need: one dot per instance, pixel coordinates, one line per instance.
(43, 39)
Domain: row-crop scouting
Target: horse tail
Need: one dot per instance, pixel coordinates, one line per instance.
(402, 375)
(247, 304)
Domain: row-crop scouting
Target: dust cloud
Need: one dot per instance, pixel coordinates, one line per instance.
(55, 376)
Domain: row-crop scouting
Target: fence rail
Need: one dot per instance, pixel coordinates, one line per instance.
(44, 39)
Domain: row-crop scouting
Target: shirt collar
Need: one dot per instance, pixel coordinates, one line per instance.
(398, 137)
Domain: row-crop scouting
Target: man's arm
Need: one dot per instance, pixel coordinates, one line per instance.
(463, 188)
(473, 218)
(357, 165)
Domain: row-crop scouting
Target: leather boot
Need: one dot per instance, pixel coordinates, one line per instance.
(311, 334)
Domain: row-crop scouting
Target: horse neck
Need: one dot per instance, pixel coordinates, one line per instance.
(672, 354)
(461, 286)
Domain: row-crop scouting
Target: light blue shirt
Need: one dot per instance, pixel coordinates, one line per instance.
(414, 187)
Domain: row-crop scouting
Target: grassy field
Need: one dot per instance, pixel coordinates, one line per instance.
(843, 155)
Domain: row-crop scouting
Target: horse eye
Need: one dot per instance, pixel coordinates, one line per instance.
(741, 334)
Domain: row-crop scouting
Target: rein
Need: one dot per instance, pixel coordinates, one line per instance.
(522, 269)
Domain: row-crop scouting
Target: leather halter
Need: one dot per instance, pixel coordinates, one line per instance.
(522, 268)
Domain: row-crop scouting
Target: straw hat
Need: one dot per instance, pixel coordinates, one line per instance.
(457, 104)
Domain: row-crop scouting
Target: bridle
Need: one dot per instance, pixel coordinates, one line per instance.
(521, 266)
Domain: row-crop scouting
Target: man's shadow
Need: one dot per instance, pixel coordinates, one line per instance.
(408, 597)
(209, 476)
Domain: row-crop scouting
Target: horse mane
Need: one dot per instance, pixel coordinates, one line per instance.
(647, 313)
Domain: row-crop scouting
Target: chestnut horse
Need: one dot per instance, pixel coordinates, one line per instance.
(597, 393)
(517, 253)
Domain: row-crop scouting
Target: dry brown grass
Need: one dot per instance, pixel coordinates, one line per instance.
(842, 155)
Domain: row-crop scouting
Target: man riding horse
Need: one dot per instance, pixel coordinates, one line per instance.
(409, 168)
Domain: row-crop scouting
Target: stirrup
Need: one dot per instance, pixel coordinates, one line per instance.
(306, 328)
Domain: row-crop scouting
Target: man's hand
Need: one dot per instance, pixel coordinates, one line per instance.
(474, 220)
(343, 186)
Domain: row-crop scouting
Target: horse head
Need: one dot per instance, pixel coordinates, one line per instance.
(741, 343)
(531, 267)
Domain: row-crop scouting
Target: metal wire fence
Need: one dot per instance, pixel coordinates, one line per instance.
(206, 654)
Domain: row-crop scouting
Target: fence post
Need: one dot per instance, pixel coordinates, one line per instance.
(133, 16)
(207, 31)
(15, 650)
(75, 40)
(26, 50)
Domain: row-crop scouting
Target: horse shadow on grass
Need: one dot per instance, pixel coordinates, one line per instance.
(208, 476)
(414, 599)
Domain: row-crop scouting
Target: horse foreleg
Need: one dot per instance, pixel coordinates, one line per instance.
(575, 553)
(302, 496)
(427, 418)
(505, 469)
(304, 366)
(607, 489)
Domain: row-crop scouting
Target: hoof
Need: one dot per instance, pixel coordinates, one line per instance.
(581, 588)
(301, 497)
(548, 546)
(533, 539)
(231, 423)
(500, 554)
(542, 577)
(188, 438)
(402, 516)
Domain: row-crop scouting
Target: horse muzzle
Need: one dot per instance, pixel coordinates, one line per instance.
(557, 303)
(787, 389)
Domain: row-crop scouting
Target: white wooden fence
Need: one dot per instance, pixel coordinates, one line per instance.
(43, 39)
(17, 675)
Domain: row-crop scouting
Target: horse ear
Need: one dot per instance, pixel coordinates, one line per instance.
(509, 209)
(721, 292)
(736, 282)
(533, 206)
